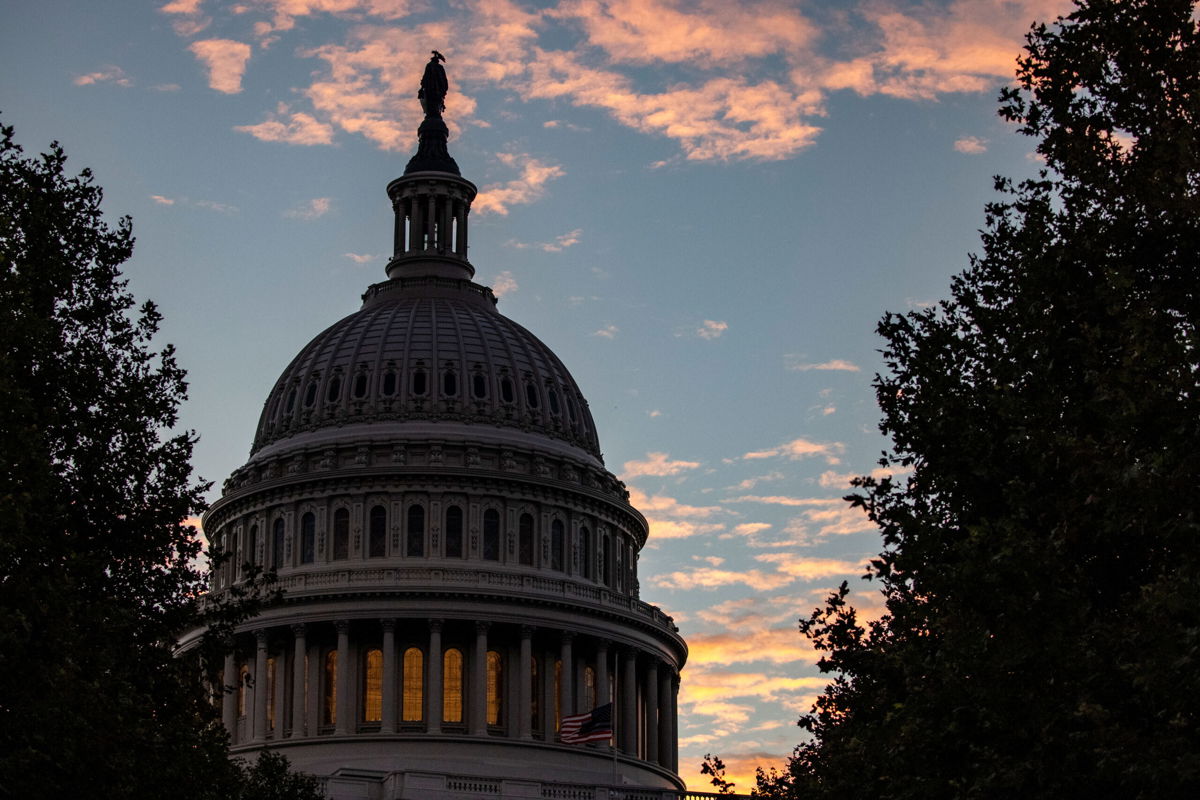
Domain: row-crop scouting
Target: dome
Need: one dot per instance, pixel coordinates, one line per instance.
(430, 354)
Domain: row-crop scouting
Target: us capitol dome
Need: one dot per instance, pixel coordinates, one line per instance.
(459, 568)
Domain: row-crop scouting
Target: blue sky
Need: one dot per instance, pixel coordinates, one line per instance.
(704, 208)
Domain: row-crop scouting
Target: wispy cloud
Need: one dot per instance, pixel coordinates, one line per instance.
(659, 464)
(971, 145)
(559, 244)
(504, 283)
(310, 209)
(162, 201)
(110, 74)
(361, 258)
(290, 128)
(535, 174)
(795, 364)
(711, 329)
(226, 62)
(800, 448)
(607, 332)
(222, 208)
(804, 568)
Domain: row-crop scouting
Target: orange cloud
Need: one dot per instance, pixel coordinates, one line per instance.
(971, 145)
(837, 365)
(299, 128)
(809, 569)
(712, 329)
(520, 191)
(225, 60)
(109, 74)
(312, 209)
(713, 578)
(658, 464)
(800, 448)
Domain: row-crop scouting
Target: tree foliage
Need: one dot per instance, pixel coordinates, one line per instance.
(1041, 541)
(99, 572)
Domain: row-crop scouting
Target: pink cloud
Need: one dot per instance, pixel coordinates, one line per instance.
(971, 145)
(798, 449)
(225, 60)
(712, 329)
(297, 128)
(525, 189)
(311, 209)
(658, 464)
(110, 74)
(504, 283)
(834, 365)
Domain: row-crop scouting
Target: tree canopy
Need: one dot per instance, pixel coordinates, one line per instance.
(1042, 535)
(99, 570)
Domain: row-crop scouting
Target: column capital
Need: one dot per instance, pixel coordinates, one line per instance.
(388, 623)
(567, 637)
(436, 624)
(527, 631)
(260, 637)
(481, 626)
(298, 628)
(342, 626)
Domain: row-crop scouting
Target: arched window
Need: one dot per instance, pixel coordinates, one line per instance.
(308, 538)
(454, 532)
(360, 386)
(372, 689)
(606, 560)
(531, 395)
(554, 407)
(310, 394)
(587, 557)
(329, 706)
(235, 567)
(416, 532)
(413, 702)
(418, 381)
(589, 688)
(341, 534)
(277, 538)
(252, 545)
(479, 386)
(335, 389)
(243, 688)
(506, 389)
(449, 384)
(377, 538)
(389, 383)
(271, 694)
(452, 685)
(525, 539)
(491, 535)
(495, 687)
(291, 400)
(557, 545)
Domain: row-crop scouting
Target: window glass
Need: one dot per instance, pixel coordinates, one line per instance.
(479, 386)
(454, 532)
(450, 384)
(587, 556)
(525, 540)
(416, 532)
(377, 538)
(491, 535)
(531, 395)
(329, 706)
(277, 539)
(495, 687)
(271, 694)
(341, 534)
(589, 688)
(557, 545)
(291, 400)
(252, 545)
(308, 538)
(452, 686)
(506, 390)
(335, 389)
(535, 695)
(389, 383)
(418, 382)
(243, 689)
(360, 385)
(554, 407)
(310, 393)
(372, 691)
(557, 693)
(414, 685)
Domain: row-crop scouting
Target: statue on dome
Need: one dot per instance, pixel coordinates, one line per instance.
(434, 87)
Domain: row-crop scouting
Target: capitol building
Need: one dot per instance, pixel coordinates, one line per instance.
(459, 569)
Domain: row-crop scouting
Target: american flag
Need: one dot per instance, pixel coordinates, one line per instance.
(594, 726)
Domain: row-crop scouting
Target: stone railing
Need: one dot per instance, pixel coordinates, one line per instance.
(442, 786)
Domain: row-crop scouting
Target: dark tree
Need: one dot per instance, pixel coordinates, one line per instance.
(99, 571)
(1042, 634)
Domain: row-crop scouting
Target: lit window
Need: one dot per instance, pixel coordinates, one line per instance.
(372, 692)
(416, 531)
(589, 688)
(414, 685)
(535, 696)
(454, 532)
(452, 686)
(377, 540)
(495, 687)
(271, 694)
(243, 689)
(341, 534)
(557, 693)
(329, 707)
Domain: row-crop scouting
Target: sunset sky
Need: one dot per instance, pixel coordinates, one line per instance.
(703, 207)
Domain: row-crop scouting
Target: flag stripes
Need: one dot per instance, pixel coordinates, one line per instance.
(594, 726)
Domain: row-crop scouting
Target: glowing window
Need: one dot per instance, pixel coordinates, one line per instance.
(243, 689)
(495, 687)
(589, 688)
(329, 706)
(452, 686)
(414, 685)
(372, 691)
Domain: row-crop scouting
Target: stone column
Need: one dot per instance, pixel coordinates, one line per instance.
(478, 708)
(260, 685)
(566, 703)
(345, 709)
(229, 680)
(431, 224)
(629, 702)
(651, 694)
(666, 725)
(388, 717)
(298, 681)
(675, 724)
(433, 697)
(525, 685)
(602, 673)
(415, 229)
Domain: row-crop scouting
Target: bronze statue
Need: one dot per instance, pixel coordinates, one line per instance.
(434, 87)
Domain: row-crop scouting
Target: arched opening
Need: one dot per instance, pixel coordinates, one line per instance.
(495, 687)
(377, 535)
(452, 685)
(525, 539)
(454, 532)
(372, 686)
(413, 700)
(491, 535)
(341, 534)
(308, 538)
(415, 546)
